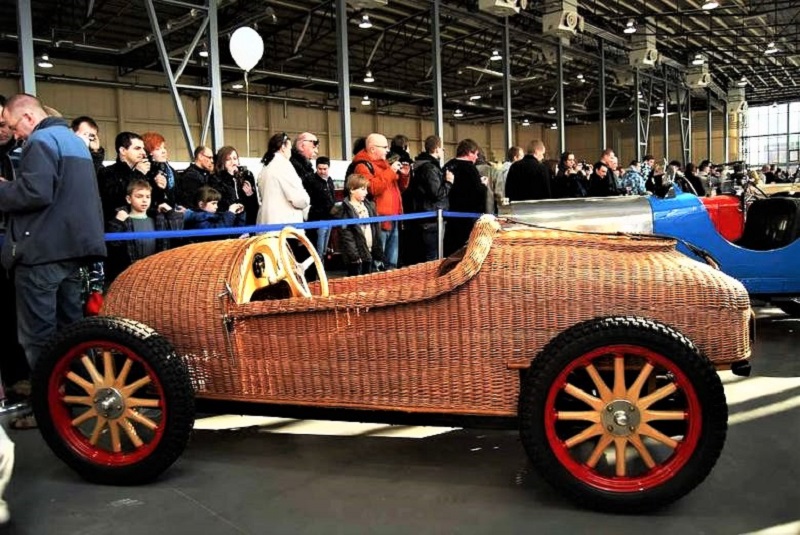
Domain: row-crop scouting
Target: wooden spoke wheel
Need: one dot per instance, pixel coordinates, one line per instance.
(113, 401)
(623, 414)
(296, 270)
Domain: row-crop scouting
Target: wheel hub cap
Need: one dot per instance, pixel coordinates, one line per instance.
(621, 418)
(109, 403)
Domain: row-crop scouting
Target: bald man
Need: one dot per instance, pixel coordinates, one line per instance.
(55, 222)
(385, 186)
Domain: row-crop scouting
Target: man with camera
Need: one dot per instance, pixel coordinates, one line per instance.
(86, 128)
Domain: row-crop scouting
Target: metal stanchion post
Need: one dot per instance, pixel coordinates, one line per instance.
(440, 232)
(5, 407)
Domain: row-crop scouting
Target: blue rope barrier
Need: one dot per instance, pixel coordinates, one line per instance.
(163, 234)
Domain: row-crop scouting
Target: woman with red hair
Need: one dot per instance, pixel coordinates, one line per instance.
(162, 176)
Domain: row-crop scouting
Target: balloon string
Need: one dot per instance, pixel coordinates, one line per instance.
(247, 110)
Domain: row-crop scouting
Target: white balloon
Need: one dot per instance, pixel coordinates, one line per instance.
(246, 47)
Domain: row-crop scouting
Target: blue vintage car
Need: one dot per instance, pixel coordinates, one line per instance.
(758, 245)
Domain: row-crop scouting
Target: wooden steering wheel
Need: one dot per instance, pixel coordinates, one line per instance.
(295, 271)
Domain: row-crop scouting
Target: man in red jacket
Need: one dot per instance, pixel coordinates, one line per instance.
(385, 185)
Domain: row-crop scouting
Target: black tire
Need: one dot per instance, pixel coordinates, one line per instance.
(130, 374)
(569, 450)
(791, 307)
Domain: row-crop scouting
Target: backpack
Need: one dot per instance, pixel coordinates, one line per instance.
(352, 167)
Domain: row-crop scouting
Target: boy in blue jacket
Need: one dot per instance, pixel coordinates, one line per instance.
(205, 215)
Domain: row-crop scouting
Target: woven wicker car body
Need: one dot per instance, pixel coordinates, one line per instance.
(753, 237)
(603, 349)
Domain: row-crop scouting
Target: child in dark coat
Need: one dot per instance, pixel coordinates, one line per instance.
(360, 244)
(135, 217)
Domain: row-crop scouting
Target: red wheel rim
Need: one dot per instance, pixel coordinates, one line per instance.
(107, 404)
(595, 432)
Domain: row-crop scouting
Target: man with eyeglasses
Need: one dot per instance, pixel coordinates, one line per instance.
(385, 190)
(195, 176)
(305, 149)
(55, 222)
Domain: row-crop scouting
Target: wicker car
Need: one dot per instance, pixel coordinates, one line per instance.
(602, 349)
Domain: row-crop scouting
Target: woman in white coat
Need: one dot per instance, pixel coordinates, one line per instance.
(284, 200)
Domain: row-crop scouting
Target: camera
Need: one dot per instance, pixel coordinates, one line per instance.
(159, 167)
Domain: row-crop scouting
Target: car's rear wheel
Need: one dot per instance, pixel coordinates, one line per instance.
(623, 414)
(113, 400)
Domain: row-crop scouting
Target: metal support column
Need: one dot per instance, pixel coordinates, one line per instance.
(643, 115)
(171, 78)
(602, 99)
(666, 120)
(562, 140)
(26, 53)
(215, 101)
(726, 127)
(637, 110)
(709, 120)
(343, 62)
(685, 114)
(507, 121)
(436, 62)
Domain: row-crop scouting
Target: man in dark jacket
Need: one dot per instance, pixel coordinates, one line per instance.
(86, 128)
(467, 194)
(13, 364)
(113, 180)
(427, 192)
(322, 192)
(194, 177)
(529, 178)
(55, 225)
(305, 149)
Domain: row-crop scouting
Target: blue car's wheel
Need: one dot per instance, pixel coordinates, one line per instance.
(791, 307)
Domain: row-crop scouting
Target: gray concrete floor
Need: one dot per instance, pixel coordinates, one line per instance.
(253, 480)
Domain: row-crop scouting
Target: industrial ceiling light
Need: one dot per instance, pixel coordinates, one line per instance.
(366, 101)
(554, 126)
(368, 78)
(774, 104)
(742, 82)
(551, 111)
(44, 61)
(495, 55)
(710, 4)
(237, 85)
(630, 27)
(771, 49)
(203, 52)
(698, 59)
(475, 97)
(365, 22)
(526, 122)
(580, 77)
(458, 113)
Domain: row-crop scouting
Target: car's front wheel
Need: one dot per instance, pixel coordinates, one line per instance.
(113, 400)
(623, 414)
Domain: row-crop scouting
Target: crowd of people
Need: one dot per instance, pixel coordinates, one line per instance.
(58, 199)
